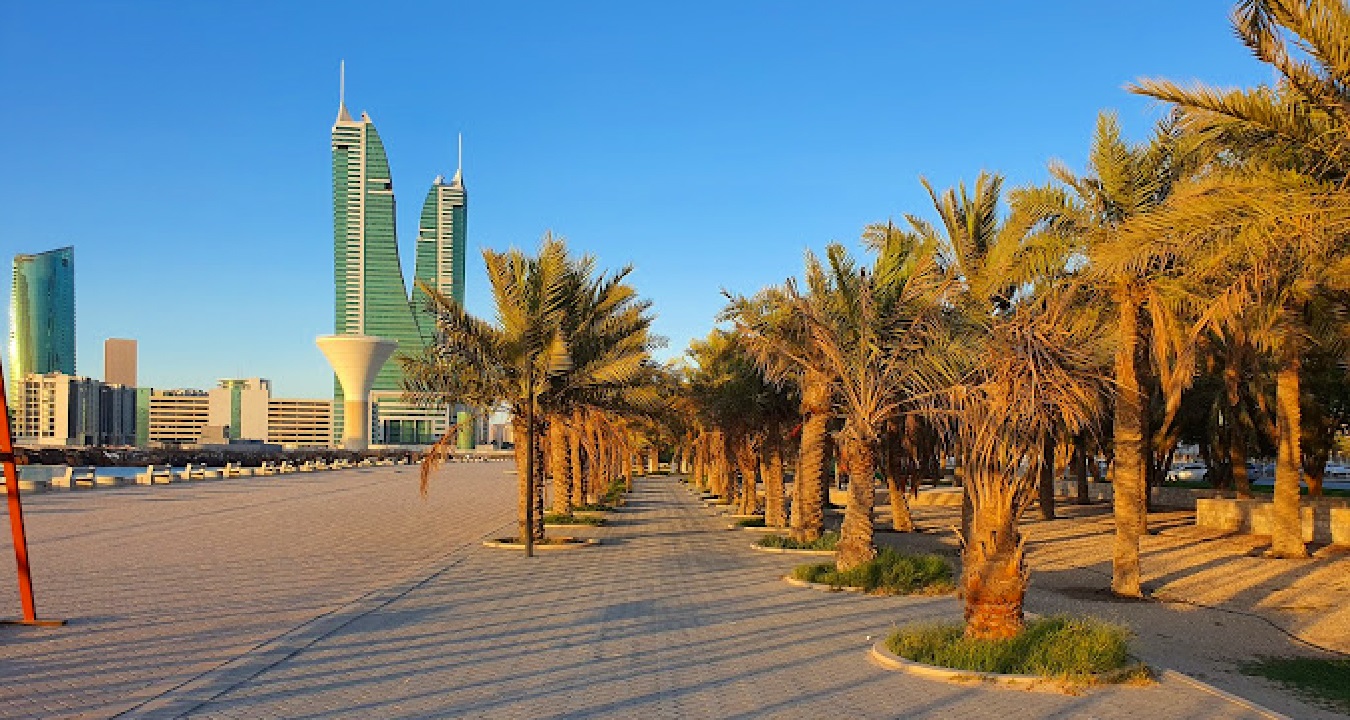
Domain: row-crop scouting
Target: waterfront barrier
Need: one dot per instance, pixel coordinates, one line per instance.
(153, 474)
(75, 476)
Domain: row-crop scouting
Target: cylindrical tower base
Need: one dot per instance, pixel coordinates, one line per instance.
(356, 425)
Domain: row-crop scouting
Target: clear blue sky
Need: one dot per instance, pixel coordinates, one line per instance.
(183, 147)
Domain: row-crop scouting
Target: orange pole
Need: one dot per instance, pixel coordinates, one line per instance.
(15, 511)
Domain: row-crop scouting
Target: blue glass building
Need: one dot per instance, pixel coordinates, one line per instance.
(42, 316)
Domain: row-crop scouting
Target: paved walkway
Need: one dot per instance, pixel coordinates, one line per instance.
(344, 595)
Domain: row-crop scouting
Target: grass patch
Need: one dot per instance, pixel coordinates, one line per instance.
(1323, 679)
(557, 519)
(615, 493)
(751, 522)
(1060, 646)
(593, 507)
(890, 572)
(827, 541)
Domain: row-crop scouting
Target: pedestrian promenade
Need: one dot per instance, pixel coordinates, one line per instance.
(345, 595)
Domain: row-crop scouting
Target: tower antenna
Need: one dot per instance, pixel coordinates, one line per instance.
(342, 83)
(460, 165)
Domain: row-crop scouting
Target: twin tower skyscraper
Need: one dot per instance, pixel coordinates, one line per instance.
(371, 296)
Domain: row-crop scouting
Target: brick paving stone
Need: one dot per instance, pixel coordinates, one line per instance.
(345, 595)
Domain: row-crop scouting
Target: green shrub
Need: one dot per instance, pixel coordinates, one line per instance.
(593, 507)
(1056, 646)
(557, 519)
(827, 541)
(890, 572)
(751, 522)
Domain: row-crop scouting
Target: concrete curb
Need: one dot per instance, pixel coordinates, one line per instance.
(822, 587)
(569, 543)
(891, 661)
(790, 551)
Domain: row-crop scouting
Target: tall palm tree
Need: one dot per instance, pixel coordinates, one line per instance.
(1038, 371)
(872, 327)
(776, 336)
(508, 361)
(1123, 184)
(563, 337)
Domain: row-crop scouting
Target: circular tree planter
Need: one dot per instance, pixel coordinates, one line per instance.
(891, 661)
(792, 551)
(557, 543)
(757, 528)
(1128, 676)
(823, 587)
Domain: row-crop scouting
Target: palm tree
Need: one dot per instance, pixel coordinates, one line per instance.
(871, 326)
(563, 337)
(1090, 211)
(509, 361)
(774, 334)
(1038, 371)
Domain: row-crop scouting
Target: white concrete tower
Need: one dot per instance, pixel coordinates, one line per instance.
(356, 359)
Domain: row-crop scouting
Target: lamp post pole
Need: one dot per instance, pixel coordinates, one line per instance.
(16, 517)
(16, 512)
(529, 459)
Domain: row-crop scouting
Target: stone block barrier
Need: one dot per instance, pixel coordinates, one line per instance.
(1324, 521)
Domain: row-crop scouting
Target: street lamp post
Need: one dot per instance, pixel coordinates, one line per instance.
(529, 460)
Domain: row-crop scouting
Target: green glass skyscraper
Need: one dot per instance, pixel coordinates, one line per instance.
(41, 317)
(371, 297)
(441, 237)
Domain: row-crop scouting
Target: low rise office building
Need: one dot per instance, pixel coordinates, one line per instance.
(56, 409)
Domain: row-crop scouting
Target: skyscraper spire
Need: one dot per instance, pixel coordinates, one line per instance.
(459, 167)
(343, 115)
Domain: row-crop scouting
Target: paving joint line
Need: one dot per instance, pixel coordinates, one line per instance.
(196, 692)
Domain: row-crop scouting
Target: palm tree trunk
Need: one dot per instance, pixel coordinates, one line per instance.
(774, 515)
(1080, 470)
(993, 571)
(808, 514)
(1237, 441)
(747, 461)
(855, 536)
(1286, 532)
(1047, 479)
(894, 458)
(574, 429)
(519, 432)
(558, 465)
(808, 511)
(540, 461)
(1128, 482)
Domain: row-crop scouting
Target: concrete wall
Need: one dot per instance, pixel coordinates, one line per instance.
(1324, 521)
(1184, 498)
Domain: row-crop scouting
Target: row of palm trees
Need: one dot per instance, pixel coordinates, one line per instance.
(1076, 321)
(1021, 330)
(568, 354)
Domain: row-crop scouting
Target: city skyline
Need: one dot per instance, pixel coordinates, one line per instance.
(691, 165)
